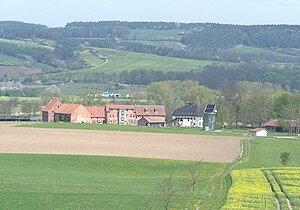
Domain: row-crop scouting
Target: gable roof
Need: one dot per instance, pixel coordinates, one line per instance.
(115, 106)
(188, 110)
(51, 104)
(150, 110)
(66, 108)
(96, 111)
(154, 119)
(274, 123)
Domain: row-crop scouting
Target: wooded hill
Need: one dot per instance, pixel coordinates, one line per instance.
(264, 53)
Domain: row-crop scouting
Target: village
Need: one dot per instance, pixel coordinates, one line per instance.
(137, 115)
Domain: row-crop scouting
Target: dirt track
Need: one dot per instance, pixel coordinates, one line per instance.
(111, 143)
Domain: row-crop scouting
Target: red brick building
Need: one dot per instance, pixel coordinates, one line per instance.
(48, 112)
(98, 114)
(74, 113)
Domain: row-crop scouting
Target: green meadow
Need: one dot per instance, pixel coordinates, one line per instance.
(86, 182)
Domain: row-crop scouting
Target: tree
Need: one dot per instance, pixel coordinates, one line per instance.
(30, 108)
(284, 158)
(167, 191)
(193, 176)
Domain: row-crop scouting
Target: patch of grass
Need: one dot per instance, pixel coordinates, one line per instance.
(92, 59)
(265, 153)
(171, 130)
(86, 182)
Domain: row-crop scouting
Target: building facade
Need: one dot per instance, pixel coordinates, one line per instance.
(188, 116)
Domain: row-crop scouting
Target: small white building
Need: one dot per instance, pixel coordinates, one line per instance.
(258, 132)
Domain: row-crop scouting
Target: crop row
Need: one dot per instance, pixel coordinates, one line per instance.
(277, 190)
(250, 190)
(289, 180)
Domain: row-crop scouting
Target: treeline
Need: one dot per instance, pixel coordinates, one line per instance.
(226, 36)
(239, 105)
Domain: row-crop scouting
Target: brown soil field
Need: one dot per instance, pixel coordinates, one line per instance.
(17, 71)
(114, 143)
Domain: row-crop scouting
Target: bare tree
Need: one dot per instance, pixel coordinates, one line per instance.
(193, 177)
(167, 191)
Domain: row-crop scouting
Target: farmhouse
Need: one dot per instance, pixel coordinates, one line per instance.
(187, 116)
(97, 114)
(152, 121)
(259, 132)
(48, 112)
(74, 113)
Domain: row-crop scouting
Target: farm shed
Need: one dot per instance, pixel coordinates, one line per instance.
(74, 113)
(152, 121)
(259, 132)
(48, 112)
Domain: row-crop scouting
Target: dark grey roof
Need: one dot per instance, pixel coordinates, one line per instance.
(189, 110)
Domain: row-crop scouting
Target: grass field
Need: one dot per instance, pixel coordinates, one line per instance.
(174, 130)
(264, 153)
(10, 60)
(124, 60)
(26, 43)
(73, 182)
(167, 44)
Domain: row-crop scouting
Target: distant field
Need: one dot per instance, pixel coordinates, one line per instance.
(13, 61)
(18, 71)
(124, 60)
(26, 43)
(4, 98)
(167, 44)
(82, 182)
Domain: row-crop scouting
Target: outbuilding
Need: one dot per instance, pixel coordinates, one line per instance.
(258, 132)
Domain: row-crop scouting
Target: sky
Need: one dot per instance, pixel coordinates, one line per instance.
(56, 13)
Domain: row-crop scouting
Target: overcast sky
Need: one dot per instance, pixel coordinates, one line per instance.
(59, 12)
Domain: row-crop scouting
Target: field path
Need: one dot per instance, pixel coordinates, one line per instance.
(115, 143)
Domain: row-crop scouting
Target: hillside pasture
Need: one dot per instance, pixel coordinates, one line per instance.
(118, 61)
(18, 71)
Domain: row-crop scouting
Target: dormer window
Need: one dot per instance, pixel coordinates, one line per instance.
(155, 110)
(145, 110)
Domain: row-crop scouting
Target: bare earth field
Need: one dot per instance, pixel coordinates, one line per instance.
(115, 143)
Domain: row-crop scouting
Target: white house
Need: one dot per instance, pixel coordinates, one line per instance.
(187, 116)
(259, 132)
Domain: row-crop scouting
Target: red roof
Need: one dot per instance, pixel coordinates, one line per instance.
(274, 123)
(66, 108)
(150, 110)
(96, 111)
(155, 119)
(53, 102)
(114, 106)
